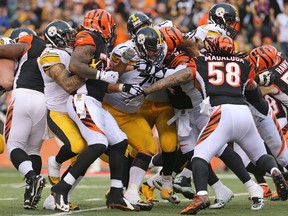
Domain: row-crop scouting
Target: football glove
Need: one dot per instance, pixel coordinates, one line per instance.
(148, 68)
(132, 89)
(265, 79)
(127, 55)
(107, 76)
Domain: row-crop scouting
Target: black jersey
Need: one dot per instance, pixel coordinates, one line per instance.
(281, 74)
(223, 79)
(99, 61)
(28, 74)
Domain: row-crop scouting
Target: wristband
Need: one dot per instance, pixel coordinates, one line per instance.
(120, 87)
(98, 75)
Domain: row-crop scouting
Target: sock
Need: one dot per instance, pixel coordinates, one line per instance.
(36, 163)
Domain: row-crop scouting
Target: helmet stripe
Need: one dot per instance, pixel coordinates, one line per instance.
(134, 18)
(159, 35)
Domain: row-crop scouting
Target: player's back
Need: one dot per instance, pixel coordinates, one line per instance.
(223, 78)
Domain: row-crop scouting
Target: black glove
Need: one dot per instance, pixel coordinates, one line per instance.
(148, 68)
(132, 89)
(265, 79)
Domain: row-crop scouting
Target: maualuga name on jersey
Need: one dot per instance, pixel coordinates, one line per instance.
(224, 58)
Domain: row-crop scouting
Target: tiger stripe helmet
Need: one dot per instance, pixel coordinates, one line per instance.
(173, 38)
(224, 42)
(101, 21)
(263, 58)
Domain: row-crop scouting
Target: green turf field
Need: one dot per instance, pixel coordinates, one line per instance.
(90, 197)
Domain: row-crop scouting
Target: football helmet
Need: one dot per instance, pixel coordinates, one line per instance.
(102, 22)
(6, 40)
(173, 38)
(224, 42)
(60, 34)
(263, 58)
(136, 21)
(19, 32)
(150, 45)
(225, 15)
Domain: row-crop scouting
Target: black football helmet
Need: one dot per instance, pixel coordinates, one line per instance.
(136, 21)
(19, 32)
(60, 34)
(225, 15)
(150, 45)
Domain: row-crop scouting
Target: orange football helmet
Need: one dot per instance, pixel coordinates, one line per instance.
(101, 21)
(224, 43)
(173, 38)
(263, 58)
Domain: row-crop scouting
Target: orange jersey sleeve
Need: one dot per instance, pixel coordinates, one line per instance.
(179, 59)
(84, 38)
(192, 64)
(26, 39)
(251, 76)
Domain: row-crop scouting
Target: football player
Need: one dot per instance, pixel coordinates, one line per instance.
(90, 61)
(230, 101)
(25, 126)
(59, 84)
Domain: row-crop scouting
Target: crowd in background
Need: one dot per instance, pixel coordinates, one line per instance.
(262, 21)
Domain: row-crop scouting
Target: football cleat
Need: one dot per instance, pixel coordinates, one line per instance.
(222, 198)
(199, 202)
(134, 198)
(182, 185)
(60, 198)
(275, 196)
(257, 203)
(168, 194)
(53, 171)
(280, 183)
(148, 192)
(266, 189)
(33, 190)
(143, 205)
(73, 207)
(121, 203)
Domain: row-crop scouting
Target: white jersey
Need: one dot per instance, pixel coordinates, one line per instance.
(117, 100)
(56, 96)
(209, 31)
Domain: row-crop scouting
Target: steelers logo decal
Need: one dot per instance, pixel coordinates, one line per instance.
(52, 31)
(1, 41)
(141, 39)
(220, 12)
(21, 34)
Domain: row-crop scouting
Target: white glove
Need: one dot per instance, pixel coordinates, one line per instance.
(265, 79)
(190, 35)
(107, 76)
(127, 55)
(132, 89)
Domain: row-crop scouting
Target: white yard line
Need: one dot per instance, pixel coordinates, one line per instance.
(104, 207)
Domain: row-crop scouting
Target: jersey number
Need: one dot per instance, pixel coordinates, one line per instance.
(217, 76)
